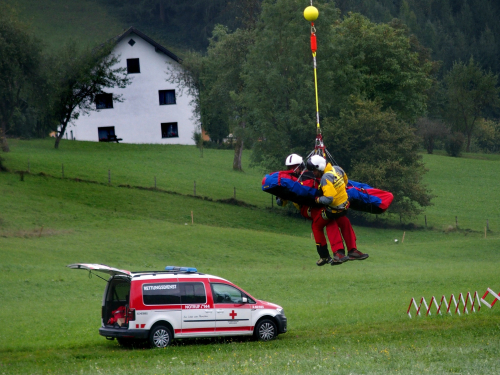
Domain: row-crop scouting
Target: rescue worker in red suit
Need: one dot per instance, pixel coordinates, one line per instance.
(333, 196)
(295, 166)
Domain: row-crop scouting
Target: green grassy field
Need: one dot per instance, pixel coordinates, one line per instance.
(56, 21)
(344, 320)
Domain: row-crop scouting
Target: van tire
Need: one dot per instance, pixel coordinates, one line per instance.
(265, 330)
(160, 337)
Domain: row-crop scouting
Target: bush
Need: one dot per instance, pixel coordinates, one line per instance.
(454, 144)
(487, 135)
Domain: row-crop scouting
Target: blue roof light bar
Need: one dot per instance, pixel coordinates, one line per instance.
(181, 269)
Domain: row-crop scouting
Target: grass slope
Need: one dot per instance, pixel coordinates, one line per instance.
(342, 320)
(466, 188)
(57, 21)
(463, 187)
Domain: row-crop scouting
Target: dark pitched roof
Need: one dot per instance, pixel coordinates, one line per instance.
(158, 47)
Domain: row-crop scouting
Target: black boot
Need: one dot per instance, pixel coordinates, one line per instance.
(324, 255)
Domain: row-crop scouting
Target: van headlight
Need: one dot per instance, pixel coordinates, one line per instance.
(280, 311)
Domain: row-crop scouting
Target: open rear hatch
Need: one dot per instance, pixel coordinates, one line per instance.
(99, 268)
(115, 307)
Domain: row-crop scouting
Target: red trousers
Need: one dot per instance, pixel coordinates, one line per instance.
(332, 231)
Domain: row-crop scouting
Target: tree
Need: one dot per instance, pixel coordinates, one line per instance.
(79, 77)
(215, 82)
(470, 92)
(431, 130)
(20, 62)
(279, 80)
(375, 147)
(378, 62)
(356, 58)
(221, 103)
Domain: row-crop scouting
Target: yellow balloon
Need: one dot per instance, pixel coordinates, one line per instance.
(311, 13)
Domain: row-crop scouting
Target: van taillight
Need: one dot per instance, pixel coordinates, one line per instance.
(131, 314)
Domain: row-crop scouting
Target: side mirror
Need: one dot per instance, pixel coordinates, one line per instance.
(244, 300)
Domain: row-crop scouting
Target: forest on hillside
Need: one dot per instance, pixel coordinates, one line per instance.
(453, 29)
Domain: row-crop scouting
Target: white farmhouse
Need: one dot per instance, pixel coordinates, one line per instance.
(153, 111)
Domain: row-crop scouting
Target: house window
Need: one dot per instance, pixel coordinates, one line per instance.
(133, 66)
(103, 101)
(169, 130)
(131, 42)
(166, 97)
(105, 133)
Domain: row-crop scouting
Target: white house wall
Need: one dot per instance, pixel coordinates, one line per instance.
(139, 117)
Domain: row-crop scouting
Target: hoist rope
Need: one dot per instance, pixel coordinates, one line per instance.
(311, 14)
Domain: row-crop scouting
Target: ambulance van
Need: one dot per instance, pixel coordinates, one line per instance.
(180, 302)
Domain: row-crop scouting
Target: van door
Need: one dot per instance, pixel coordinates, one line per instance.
(116, 295)
(232, 315)
(198, 315)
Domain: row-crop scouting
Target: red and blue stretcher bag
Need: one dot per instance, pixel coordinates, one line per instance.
(362, 197)
(284, 185)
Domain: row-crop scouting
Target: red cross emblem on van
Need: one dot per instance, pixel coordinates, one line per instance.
(233, 314)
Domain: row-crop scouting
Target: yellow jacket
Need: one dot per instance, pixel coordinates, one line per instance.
(333, 184)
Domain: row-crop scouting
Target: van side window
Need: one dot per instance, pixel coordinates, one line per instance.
(161, 294)
(192, 293)
(224, 293)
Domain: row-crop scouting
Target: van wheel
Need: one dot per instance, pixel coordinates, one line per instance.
(265, 330)
(160, 337)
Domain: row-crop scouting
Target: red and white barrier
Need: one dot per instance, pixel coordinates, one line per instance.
(471, 300)
(489, 291)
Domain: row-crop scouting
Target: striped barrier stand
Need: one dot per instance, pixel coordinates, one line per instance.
(470, 299)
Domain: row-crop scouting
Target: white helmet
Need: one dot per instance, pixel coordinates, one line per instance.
(293, 159)
(316, 162)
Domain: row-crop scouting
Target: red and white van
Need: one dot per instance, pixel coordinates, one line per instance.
(180, 302)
